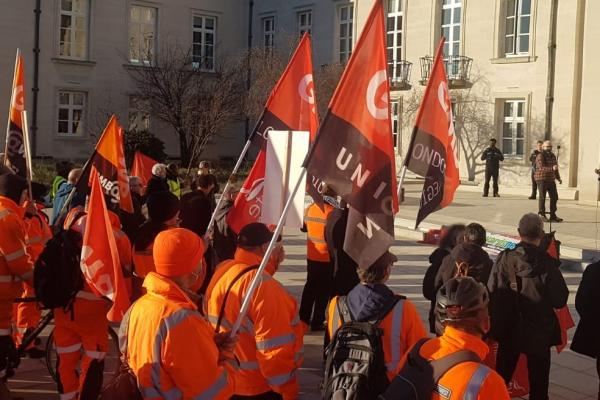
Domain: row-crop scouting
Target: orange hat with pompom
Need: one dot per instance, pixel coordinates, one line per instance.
(177, 252)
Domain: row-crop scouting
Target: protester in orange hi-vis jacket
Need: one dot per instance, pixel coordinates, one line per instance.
(123, 247)
(172, 350)
(372, 300)
(15, 263)
(462, 310)
(319, 277)
(80, 334)
(269, 348)
(27, 315)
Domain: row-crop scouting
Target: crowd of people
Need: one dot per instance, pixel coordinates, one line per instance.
(188, 280)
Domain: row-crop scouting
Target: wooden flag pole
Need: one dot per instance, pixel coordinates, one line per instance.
(265, 260)
(28, 162)
(12, 98)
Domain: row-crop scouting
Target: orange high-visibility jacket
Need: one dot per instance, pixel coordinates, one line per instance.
(402, 328)
(143, 261)
(315, 220)
(170, 346)
(38, 232)
(470, 380)
(269, 347)
(15, 263)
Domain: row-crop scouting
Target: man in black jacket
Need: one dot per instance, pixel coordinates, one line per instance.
(525, 287)
(492, 157)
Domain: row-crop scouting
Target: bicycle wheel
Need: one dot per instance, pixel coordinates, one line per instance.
(112, 360)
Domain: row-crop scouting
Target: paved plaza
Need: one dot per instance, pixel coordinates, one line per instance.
(573, 376)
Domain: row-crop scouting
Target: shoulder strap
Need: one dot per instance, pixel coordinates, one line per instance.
(444, 364)
(237, 278)
(344, 310)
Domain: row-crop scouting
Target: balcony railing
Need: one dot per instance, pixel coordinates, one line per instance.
(399, 73)
(458, 70)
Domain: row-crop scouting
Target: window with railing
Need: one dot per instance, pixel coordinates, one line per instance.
(204, 31)
(513, 128)
(395, 20)
(517, 27)
(451, 25)
(345, 27)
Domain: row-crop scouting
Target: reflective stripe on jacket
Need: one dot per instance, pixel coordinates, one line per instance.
(170, 347)
(402, 328)
(315, 220)
(15, 263)
(468, 380)
(269, 348)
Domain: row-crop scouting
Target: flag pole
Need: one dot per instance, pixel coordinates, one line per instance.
(265, 260)
(12, 99)
(237, 166)
(28, 162)
(401, 180)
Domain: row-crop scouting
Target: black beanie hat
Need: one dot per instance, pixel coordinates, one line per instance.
(162, 206)
(254, 235)
(12, 186)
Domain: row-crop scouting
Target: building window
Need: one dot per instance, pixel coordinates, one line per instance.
(517, 29)
(268, 32)
(451, 15)
(139, 117)
(142, 34)
(304, 22)
(345, 24)
(71, 113)
(74, 28)
(395, 16)
(395, 118)
(513, 128)
(203, 44)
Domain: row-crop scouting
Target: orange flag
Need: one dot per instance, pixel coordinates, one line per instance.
(109, 161)
(142, 167)
(15, 149)
(99, 255)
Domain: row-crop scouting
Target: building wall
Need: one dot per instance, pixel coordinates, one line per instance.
(103, 76)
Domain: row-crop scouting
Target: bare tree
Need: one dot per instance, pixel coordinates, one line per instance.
(194, 103)
(327, 78)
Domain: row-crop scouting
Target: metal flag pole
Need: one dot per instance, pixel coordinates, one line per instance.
(12, 99)
(265, 260)
(29, 164)
(401, 180)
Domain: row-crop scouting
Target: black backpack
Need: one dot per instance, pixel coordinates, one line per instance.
(57, 275)
(355, 366)
(419, 377)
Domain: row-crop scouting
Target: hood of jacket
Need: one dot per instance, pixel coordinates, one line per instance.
(530, 259)
(368, 302)
(64, 189)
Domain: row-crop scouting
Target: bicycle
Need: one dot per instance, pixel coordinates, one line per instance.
(112, 360)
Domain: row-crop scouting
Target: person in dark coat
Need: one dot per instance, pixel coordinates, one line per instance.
(344, 267)
(158, 181)
(492, 157)
(467, 258)
(532, 158)
(526, 286)
(205, 168)
(453, 236)
(132, 222)
(586, 340)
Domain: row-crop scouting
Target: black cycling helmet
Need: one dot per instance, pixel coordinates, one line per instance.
(459, 299)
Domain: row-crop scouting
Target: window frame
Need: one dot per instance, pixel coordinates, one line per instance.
(395, 48)
(306, 27)
(518, 16)
(142, 60)
(135, 110)
(268, 35)
(514, 120)
(72, 30)
(200, 65)
(452, 5)
(71, 107)
(348, 39)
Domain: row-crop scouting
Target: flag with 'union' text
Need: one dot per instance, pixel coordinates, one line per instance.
(291, 106)
(432, 149)
(353, 152)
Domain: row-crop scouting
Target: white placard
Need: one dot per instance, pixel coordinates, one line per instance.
(286, 151)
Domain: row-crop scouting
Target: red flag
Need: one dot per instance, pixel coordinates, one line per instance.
(248, 203)
(142, 167)
(99, 255)
(432, 148)
(109, 160)
(291, 106)
(14, 153)
(353, 152)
